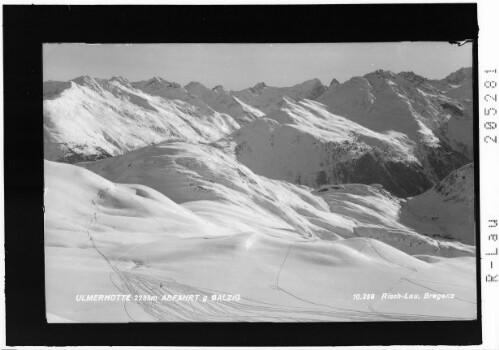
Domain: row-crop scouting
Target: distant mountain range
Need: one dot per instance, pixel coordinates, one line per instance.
(380, 128)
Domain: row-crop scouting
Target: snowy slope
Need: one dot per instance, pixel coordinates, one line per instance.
(266, 98)
(410, 104)
(228, 231)
(456, 131)
(171, 91)
(196, 94)
(395, 129)
(224, 102)
(447, 209)
(94, 118)
(187, 172)
(305, 144)
(190, 173)
(86, 219)
(457, 84)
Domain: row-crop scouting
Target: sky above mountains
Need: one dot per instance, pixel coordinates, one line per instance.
(238, 66)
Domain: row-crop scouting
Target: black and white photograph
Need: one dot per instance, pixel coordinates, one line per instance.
(265, 182)
(250, 173)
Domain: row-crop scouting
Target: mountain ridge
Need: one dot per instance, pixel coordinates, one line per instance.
(388, 109)
(460, 74)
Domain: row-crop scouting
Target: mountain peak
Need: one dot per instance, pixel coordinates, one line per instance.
(311, 82)
(258, 88)
(196, 88)
(157, 79)
(459, 76)
(219, 89)
(334, 83)
(379, 74)
(310, 89)
(85, 80)
(121, 80)
(194, 84)
(158, 82)
(412, 77)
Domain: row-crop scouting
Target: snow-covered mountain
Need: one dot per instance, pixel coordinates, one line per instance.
(398, 130)
(224, 102)
(266, 98)
(305, 144)
(169, 91)
(447, 209)
(410, 104)
(411, 127)
(302, 142)
(458, 84)
(89, 118)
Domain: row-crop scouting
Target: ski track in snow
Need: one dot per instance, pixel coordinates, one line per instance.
(232, 311)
